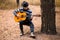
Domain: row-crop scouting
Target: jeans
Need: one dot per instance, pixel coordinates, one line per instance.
(29, 23)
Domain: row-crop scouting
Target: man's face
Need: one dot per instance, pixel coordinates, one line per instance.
(25, 8)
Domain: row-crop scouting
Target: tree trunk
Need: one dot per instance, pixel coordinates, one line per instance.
(48, 16)
(17, 1)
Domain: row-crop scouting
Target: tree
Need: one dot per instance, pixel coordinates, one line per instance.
(17, 1)
(48, 17)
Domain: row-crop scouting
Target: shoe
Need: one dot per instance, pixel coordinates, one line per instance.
(21, 34)
(32, 35)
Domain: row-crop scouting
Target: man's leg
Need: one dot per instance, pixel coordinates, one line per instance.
(21, 27)
(31, 28)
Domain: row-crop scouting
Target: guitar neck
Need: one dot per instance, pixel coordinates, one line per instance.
(36, 15)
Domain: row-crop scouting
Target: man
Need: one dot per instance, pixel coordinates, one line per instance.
(28, 20)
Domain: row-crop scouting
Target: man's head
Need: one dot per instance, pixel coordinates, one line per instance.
(25, 5)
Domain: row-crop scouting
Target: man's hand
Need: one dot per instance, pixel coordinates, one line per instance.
(31, 18)
(17, 16)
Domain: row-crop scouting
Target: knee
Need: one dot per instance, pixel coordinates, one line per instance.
(31, 26)
(21, 23)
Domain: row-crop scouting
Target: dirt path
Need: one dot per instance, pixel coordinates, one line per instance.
(9, 30)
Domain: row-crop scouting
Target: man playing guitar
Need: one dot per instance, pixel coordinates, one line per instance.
(28, 20)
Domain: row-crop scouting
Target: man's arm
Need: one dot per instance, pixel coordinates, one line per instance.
(15, 12)
(18, 10)
(29, 13)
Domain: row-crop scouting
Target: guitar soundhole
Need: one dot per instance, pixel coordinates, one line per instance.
(17, 17)
(22, 16)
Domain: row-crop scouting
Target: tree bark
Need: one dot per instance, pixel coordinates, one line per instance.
(48, 16)
(17, 1)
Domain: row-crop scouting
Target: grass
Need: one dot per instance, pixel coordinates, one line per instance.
(57, 3)
(8, 4)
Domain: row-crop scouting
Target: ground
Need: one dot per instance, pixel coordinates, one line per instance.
(9, 29)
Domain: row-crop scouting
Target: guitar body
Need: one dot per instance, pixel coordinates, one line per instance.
(22, 17)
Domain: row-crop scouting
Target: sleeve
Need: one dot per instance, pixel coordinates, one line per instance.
(15, 12)
(18, 10)
(29, 13)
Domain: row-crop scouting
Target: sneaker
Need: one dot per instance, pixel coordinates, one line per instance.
(21, 34)
(32, 35)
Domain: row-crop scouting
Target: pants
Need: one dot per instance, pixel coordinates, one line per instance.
(29, 23)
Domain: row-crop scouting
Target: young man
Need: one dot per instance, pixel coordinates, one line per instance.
(28, 20)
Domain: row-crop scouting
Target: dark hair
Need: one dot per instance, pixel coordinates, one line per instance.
(25, 4)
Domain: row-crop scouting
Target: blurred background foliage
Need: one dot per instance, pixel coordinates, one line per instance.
(11, 4)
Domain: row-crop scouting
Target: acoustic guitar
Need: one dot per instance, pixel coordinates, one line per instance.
(22, 16)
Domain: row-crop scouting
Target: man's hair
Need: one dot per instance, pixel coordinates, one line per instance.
(25, 4)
